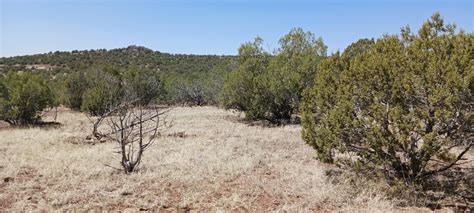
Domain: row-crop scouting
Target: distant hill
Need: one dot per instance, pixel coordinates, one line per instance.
(63, 61)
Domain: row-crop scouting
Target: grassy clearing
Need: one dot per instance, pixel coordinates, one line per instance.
(207, 160)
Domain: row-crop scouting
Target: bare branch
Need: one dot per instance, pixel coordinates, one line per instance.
(449, 165)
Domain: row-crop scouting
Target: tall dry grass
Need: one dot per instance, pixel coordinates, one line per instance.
(207, 160)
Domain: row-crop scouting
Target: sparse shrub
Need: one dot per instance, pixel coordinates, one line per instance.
(58, 86)
(194, 88)
(76, 85)
(213, 83)
(105, 90)
(189, 92)
(142, 84)
(97, 89)
(23, 96)
(239, 90)
(400, 107)
(176, 88)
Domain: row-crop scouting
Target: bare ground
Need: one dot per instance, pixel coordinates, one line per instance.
(207, 160)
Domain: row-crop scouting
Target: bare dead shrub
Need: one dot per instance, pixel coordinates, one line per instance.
(134, 129)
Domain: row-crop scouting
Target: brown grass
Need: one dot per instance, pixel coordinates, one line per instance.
(206, 161)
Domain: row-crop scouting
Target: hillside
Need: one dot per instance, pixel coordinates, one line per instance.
(182, 78)
(121, 57)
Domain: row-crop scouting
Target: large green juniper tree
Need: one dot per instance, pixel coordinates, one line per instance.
(402, 106)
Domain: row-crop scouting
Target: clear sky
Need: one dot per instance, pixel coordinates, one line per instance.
(207, 26)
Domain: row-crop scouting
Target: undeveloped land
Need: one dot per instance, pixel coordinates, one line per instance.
(208, 160)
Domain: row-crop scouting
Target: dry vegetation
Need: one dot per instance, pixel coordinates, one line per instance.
(208, 160)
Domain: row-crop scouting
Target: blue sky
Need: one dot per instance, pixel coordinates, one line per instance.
(207, 26)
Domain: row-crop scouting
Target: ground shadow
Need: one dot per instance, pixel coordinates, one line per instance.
(39, 124)
(262, 122)
(451, 189)
(454, 189)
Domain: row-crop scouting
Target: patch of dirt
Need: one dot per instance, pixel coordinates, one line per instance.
(6, 202)
(180, 135)
(4, 125)
(83, 141)
(26, 173)
(174, 195)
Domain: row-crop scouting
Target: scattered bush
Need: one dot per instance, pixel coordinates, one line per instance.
(202, 88)
(184, 90)
(401, 106)
(97, 89)
(23, 96)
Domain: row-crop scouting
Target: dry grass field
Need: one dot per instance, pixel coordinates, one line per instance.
(208, 160)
